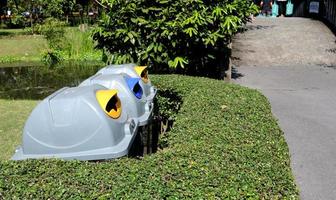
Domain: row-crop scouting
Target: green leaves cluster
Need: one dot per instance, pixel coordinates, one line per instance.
(65, 43)
(39, 10)
(174, 33)
(54, 32)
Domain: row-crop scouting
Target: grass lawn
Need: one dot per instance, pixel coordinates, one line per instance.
(225, 143)
(19, 47)
(15, 44)
(13, 115)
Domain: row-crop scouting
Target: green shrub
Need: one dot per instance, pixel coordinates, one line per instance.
(54, 32)
(52, 57)
(225, 143)
(18, 21)
(80, 46)
(171, 33)
(66, 43)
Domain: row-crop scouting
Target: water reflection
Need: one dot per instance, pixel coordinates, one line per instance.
(40, 81)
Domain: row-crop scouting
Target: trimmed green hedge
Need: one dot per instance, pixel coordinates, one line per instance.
(224, 143)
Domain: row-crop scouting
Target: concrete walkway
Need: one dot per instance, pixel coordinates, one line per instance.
(292, 61)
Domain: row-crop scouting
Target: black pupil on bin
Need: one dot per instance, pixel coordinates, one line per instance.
(136, 88)
(112, 104)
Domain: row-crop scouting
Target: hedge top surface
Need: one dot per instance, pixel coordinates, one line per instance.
(225, 143)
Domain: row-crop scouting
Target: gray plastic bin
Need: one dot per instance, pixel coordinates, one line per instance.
(84, 123)
(149, 90)
(134, 71)
(129, 92)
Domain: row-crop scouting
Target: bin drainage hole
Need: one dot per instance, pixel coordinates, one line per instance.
(150, 138)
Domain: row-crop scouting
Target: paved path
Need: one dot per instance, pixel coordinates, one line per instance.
(299, 79)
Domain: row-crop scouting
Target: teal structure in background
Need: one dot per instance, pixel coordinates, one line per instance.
(275, 9)
(289, 8)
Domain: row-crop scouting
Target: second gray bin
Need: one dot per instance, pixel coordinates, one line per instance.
(149, 93)
(129, 92)
(84, 123)
(133, 71)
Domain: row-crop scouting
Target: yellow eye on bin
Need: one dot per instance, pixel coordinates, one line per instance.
(142, 72)
(109, 102)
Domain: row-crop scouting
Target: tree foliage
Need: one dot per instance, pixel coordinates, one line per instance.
(53, 30)
(3, 5)
(30, 12)
(170, 33)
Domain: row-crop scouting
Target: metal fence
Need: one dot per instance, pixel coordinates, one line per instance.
(330, 11)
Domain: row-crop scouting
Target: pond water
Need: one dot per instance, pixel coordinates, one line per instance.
(37, 82)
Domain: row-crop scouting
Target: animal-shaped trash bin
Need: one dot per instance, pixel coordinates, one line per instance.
(84, 123)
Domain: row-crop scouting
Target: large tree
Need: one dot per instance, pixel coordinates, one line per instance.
(67, 7)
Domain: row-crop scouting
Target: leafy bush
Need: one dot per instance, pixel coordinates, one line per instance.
(80, 46)
(18, 21)
(54, 32)
(67, 43)
(171, 33)
(225, 143)
(52, 57)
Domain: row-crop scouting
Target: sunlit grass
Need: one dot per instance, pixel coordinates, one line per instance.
(22, 45)
(13, 114)
(18, 46)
